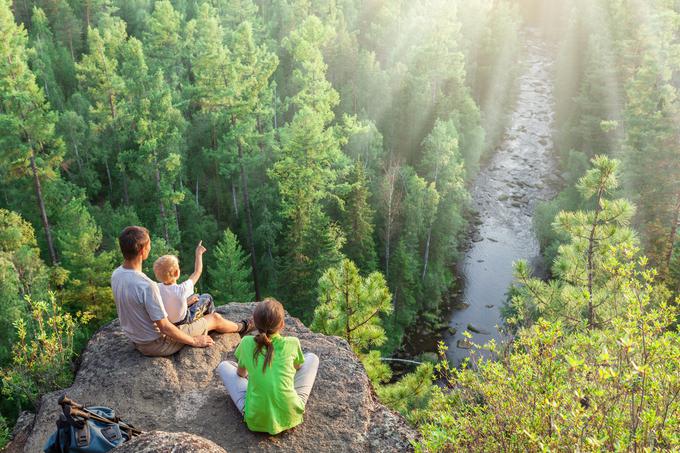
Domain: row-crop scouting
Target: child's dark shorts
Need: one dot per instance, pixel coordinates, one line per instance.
(202, 307)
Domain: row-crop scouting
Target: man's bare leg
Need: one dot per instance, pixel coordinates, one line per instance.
(221, 325)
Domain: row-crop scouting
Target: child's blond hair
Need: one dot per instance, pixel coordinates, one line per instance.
(164, 267)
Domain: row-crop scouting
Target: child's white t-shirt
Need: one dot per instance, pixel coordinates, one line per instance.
(175, 299)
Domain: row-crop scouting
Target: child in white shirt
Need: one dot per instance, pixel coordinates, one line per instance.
(181, 303)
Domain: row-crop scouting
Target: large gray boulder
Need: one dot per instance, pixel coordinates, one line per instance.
(165, 442)
(182, 393)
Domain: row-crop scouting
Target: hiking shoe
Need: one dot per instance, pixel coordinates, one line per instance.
(248, 325)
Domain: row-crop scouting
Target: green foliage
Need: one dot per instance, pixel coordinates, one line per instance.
(589, 352)
(42, 353)
(592, 390)
(28, 145)
(317, 131)
(163, 43)
(350, 306)
(377, 370)
(307, 168)
(615, 96)
(23, 273)
(230, 278)
(358, 218)
(88, 286)
(4, 432)
(411, 394)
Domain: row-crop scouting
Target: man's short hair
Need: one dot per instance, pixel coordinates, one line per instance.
(132, 240)
(164, 268)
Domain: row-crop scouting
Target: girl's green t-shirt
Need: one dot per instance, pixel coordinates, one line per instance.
(272, 405)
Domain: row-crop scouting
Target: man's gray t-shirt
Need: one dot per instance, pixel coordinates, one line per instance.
(138, 303)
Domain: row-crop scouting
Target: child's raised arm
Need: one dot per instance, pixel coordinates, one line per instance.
(198, 263)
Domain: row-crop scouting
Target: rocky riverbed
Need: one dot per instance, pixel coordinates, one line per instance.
(521, 173)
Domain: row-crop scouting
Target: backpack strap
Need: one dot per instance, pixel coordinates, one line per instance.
(81, 428)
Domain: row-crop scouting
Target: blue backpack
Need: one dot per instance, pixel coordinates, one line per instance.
(92, 429)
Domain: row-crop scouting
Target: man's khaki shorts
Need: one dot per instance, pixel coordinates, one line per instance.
(165, 346)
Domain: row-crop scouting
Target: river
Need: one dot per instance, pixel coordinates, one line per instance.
(521, 172)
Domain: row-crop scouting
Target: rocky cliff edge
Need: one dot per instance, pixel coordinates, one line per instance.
(182, 405)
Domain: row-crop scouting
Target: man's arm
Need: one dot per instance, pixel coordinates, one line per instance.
(169, 329)
(242, 372)
(198, 263)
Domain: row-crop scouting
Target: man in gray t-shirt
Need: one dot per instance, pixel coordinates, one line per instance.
(141, 311)
(138, 302)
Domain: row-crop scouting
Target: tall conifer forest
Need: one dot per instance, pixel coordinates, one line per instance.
(327, 153)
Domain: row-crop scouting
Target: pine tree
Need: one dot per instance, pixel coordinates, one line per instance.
(87, 287)
(358, 221)
(163, 43)
(307, 167)
(351, 306)
(652, 153)
(211, 74)
(159, 135)
(253, 66)
(99, 77)
(420, 205)
(595, 239)
(445, 170)
(77, 163)
(27, 137)
(45, 59)
(390, 207)
(229, 274)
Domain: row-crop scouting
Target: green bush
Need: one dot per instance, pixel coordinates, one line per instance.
(42, 354)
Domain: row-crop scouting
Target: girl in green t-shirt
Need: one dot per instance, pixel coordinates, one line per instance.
(272, 380)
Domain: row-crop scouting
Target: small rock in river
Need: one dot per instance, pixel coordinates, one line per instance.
(452, 330)
(492, 240)
(476, 329)
(460, 305)
(464, 344)
(429, 357)
(489, 306)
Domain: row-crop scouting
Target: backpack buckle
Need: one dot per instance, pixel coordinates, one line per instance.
(112, 433)
(83, 436)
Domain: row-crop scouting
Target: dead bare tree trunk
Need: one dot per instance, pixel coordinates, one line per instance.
(161, 206)
(249, 217)
(426, 255)
(41, 206)
(233, 198)
(391, 200)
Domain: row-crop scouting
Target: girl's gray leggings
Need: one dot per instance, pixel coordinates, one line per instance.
(237, 386)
